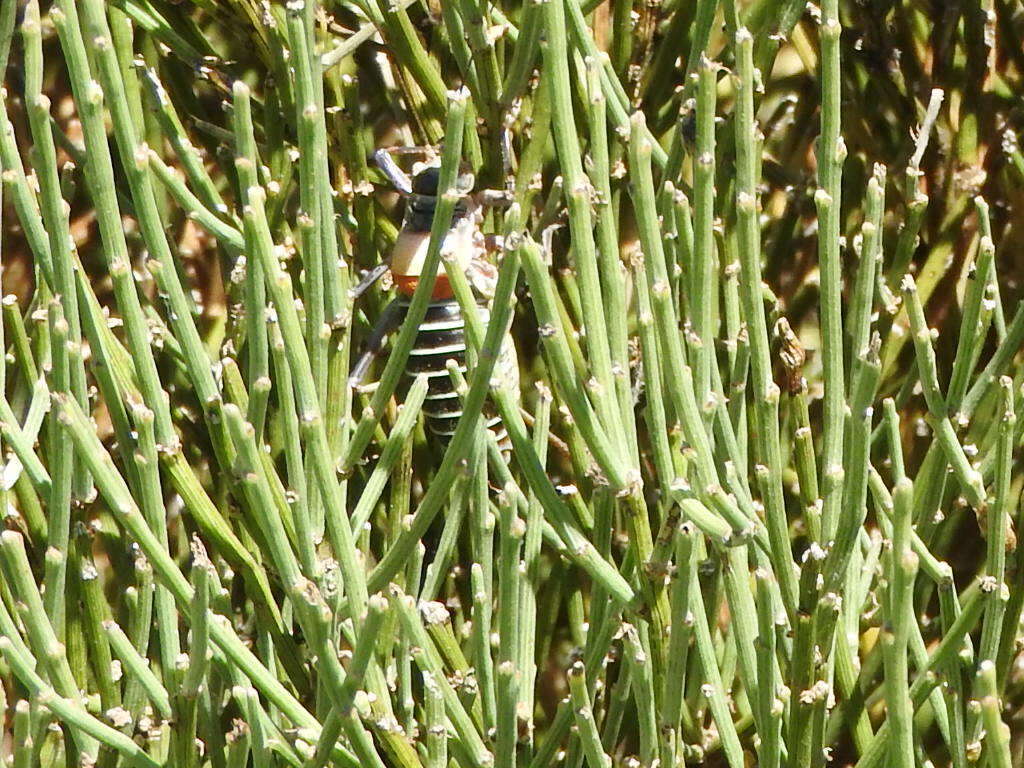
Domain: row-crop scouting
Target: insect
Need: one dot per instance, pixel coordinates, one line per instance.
(441, 335)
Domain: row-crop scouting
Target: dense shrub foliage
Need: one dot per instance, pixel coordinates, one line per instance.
(744, 494)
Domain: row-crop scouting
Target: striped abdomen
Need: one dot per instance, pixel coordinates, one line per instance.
(442, 337)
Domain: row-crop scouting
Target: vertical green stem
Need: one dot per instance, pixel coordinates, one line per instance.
(765, 391)
(830, 153)
(581, 224)
(702, 274)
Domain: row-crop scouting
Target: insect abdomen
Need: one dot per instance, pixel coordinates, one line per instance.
(442, 337)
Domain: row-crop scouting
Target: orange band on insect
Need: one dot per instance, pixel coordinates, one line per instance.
(406, 285)
(410, 253)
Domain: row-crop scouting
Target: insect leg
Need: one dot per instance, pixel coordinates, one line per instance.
(495, 198)
(501, 198)
(389, 320)
(508, 160)
(493, 243)
(547, 238)
(424, 150)
(368, 279)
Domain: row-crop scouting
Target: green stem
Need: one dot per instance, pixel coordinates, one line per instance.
(831, 152)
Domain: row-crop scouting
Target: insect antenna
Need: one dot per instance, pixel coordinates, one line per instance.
(398, 178)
